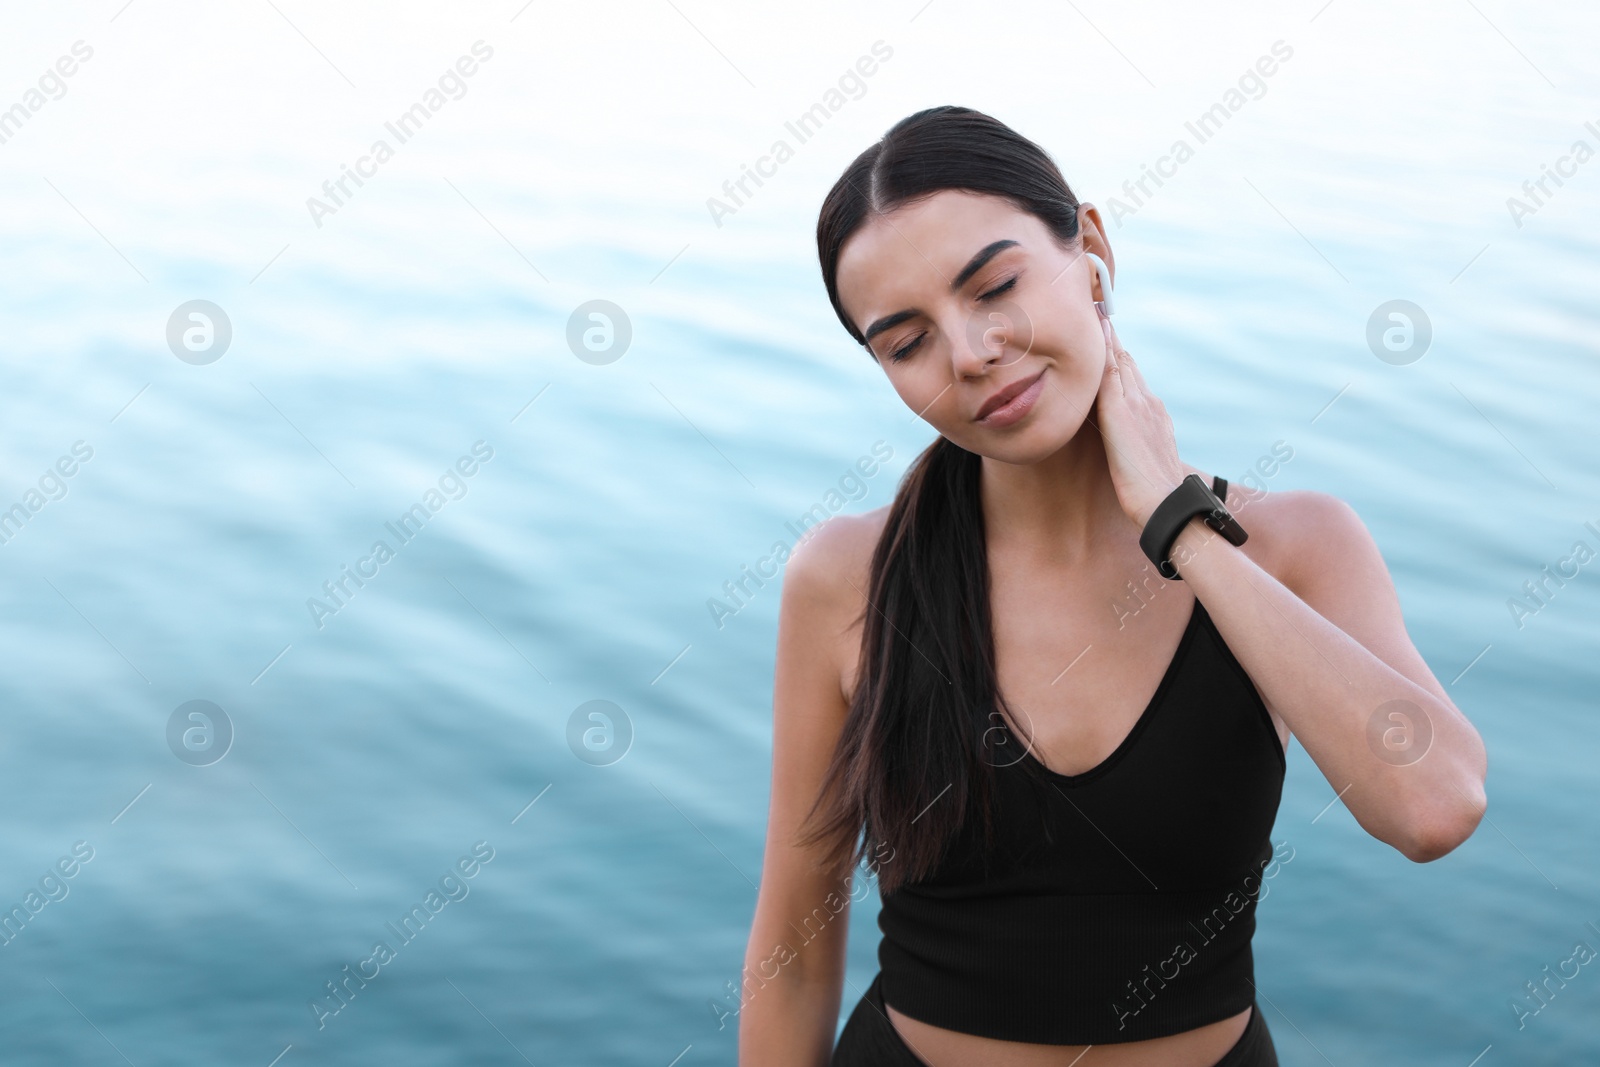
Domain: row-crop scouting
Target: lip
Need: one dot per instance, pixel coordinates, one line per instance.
(1011, 403)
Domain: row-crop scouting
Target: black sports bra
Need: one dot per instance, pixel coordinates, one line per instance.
(1117, 904)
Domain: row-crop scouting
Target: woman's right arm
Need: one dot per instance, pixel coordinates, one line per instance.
(794, 962)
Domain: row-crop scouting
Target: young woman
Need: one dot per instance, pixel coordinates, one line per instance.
(1062, 766)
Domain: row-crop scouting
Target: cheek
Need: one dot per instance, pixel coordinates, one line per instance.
(919, 383)
(1073, 335)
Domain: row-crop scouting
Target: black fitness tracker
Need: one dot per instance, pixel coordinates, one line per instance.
(1191, 498)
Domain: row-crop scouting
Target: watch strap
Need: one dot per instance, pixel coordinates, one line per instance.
(1166, 522)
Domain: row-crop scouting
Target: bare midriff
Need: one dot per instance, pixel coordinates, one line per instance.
(1201, 1047)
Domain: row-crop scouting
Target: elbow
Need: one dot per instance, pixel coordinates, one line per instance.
(1444, 830)
(1425, 848)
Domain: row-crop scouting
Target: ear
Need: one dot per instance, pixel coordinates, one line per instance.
(1092, 234)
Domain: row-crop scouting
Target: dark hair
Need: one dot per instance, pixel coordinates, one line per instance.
(913, 763)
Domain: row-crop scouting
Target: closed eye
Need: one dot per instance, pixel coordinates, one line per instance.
(906, 349)
(1001, 288)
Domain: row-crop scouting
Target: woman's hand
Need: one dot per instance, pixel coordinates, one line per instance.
(1140, 447)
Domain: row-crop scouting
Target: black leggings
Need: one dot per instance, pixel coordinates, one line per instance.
(870, 1040)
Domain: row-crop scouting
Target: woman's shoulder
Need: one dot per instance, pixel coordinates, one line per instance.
(834, 557)
(825, 587)
(1290, 528)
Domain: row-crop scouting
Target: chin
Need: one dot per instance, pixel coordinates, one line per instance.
(1035, 439)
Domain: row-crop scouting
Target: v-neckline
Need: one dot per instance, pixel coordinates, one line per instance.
(1145, 716)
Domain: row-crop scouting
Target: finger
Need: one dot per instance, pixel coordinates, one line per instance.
(1131, 367)
(1116, 357)
(1126, 366)
(1111, 376)
(1114, 349)
(1113, 342)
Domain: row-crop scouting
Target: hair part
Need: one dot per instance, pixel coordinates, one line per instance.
(940, 148)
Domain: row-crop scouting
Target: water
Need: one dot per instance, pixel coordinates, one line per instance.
(430, 712)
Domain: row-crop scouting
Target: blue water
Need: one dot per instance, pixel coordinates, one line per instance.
(433, 712)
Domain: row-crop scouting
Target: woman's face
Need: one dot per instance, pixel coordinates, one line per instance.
(963, 299)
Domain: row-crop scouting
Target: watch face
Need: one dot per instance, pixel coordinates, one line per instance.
(1198, 484)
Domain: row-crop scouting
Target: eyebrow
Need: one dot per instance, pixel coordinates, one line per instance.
(974, 265)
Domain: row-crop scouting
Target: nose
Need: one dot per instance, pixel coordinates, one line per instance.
(986, 337)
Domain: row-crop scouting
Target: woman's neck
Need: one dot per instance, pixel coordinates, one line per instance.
(1061, 511)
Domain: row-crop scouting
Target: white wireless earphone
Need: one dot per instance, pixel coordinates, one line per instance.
(1105, 281)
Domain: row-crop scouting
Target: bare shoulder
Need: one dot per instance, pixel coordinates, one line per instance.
(824, 599)
(1299, 532)
(829, 567)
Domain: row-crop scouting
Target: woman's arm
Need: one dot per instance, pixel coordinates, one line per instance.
(1330, 656)
(1327, 648)
(794, 963)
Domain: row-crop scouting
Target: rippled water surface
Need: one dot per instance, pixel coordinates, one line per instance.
(417, 726)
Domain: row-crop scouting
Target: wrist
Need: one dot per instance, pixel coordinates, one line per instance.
(1172, 519)
(1189, 543)
(1147, 508)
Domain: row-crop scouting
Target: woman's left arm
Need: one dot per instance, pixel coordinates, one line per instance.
(1329, 656)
